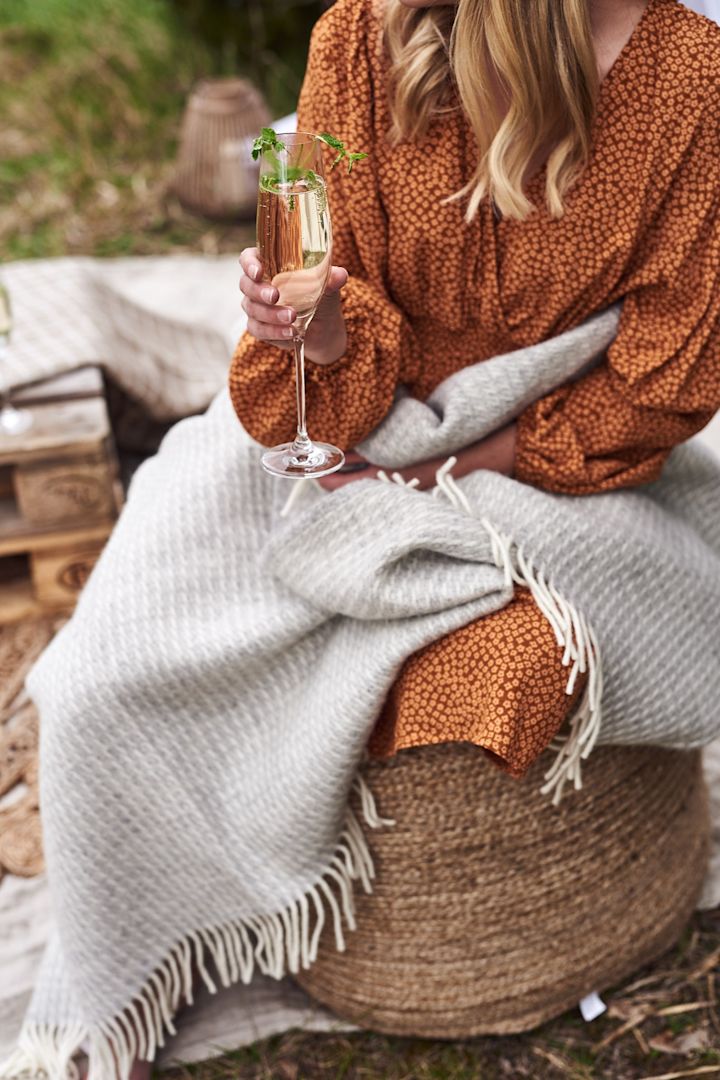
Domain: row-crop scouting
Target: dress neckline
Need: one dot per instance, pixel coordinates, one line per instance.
(628, 48)
(615, 73)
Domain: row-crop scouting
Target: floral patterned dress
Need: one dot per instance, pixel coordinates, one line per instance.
(430, 294)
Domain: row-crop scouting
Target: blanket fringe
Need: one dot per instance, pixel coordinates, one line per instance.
(573, 633)
(272, 944)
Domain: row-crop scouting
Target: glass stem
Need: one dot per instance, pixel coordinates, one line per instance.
(302, 444)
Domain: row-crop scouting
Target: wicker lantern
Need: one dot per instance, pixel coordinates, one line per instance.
(215, 175)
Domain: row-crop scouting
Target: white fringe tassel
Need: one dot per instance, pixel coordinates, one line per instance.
(574, 635)
(273, 944)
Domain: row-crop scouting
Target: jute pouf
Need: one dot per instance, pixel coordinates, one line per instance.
(493, 911)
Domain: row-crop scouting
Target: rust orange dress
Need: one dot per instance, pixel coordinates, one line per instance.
(430, 294)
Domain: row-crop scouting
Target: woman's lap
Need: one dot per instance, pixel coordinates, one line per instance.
(497, 682)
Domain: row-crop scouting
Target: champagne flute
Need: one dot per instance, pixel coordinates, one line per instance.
(12, 421)
(294, 239)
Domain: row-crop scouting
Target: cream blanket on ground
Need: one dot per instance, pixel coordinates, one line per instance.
(212, 697)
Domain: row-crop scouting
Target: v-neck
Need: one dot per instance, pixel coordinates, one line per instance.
(605, 89)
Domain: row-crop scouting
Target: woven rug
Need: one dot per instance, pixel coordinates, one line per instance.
(20, 839)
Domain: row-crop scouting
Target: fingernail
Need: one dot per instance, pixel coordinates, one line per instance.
(255, 272)
(287, 331)
(268, 296)
(287, 315)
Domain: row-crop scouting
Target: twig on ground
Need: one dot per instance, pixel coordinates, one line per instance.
(712, 1011)
(687, 1006)
(641, 1040)
(629, 1025)
(708, 964)
(703, 1070)
(553, 1059)
(648, 980)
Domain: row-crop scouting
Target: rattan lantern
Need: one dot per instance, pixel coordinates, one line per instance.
(215, 175)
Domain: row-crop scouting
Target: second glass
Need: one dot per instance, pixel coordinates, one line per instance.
(294, 239)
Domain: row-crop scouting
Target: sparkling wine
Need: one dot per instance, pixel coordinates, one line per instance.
(294, 237)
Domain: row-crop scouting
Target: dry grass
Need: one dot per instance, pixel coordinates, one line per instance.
(664, 1023)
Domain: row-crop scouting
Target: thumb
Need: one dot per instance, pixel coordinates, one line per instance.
(336, 279)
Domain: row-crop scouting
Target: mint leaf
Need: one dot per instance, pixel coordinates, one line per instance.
(331, 141)
(342, 154)
(267, 142)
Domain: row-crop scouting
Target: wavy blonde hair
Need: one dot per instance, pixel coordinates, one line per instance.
(538, 55)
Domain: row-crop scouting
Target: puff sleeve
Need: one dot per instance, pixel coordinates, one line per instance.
(347, 399)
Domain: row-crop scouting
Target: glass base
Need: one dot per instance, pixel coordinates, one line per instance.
(14, 421)
(320, 459)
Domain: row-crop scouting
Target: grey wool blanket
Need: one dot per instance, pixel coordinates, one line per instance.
(205, 711)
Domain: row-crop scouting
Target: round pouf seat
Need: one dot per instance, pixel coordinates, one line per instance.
(492, 910)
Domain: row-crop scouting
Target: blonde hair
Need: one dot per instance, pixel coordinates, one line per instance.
(539, 55)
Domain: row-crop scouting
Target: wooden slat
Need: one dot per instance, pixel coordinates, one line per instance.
(16, 538)
(7, 490)
(81, 383)
(75, 491)
(61, 428)
(58, 576)
(17, 603)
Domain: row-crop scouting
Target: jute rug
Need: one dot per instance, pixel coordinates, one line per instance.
(20, 839)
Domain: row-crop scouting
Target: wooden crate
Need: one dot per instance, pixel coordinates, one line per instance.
(59, 495)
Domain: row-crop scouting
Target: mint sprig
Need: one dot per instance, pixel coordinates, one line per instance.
(267, 142)
(342, 152)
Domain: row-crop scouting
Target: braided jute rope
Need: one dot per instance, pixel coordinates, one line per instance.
(492, 910)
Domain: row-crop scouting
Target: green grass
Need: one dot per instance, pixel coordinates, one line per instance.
(90, 107)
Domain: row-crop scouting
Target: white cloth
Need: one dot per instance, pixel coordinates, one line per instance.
(163, 328)
(711, 8)
(212, 697)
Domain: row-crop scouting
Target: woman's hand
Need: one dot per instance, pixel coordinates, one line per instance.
(496, 453)
(326, 338)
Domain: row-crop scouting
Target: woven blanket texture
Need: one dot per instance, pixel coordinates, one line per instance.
(214, 692)
(162, 328)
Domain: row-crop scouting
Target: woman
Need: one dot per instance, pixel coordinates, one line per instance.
(501, 204)
(529, 165)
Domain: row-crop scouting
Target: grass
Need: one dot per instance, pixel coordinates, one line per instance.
(90, 108)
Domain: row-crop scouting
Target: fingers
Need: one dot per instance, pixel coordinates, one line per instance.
(259, 291)
(251, 282)
(338, 479)
(266, 320)
(271, 332)
(250, 263)
(359, 469)
(280, 318)
(337, 279)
